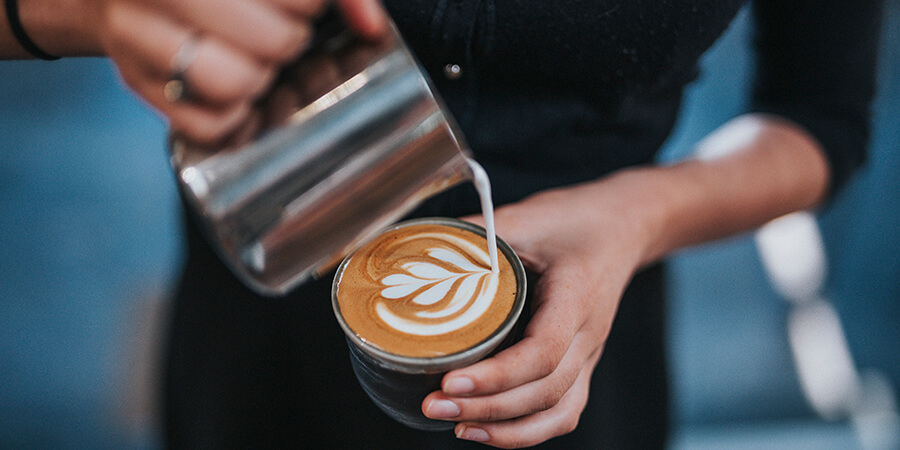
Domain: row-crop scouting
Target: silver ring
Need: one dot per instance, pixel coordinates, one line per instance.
(177, 89)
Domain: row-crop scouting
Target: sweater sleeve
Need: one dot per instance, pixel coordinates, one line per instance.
(816, 62)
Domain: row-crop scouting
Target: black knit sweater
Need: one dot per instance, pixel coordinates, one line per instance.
(556, 92)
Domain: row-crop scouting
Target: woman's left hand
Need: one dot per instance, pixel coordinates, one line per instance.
(584, 248)
(586, 242)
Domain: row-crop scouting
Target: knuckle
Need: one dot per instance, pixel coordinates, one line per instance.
(546, 402)
(569, 424)
(199, 131)
(130, 77)
(554, 392)
(237, 85)
(521, 441)
(515, 442)
(117, 22)
(241, 80)
(501, 378)
(546, 364)
(498, 372)
(492, 412)
(261, 80)
(285, 44)
(204, 127)
(551, 354)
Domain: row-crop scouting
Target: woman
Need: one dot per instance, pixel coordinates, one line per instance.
(565, 104)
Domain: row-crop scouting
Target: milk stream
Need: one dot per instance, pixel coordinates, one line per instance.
(483, 186)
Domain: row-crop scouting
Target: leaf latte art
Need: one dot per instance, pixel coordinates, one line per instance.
(425, 290)
(462, 287)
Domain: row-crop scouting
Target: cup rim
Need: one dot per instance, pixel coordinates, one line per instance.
(414, 364)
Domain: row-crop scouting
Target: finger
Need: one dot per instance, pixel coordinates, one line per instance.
(281, 104)
(530, 359)
(527, 399)
(367, 17)
(547, 339)
(315, 77)
(304, 8)
(535, 428)
(217, 73)
(200, 123)
(356, 60)
(254, 26)
(246, 130)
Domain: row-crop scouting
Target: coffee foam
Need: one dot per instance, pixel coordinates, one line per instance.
(425, 290)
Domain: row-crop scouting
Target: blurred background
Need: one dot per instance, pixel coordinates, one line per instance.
(90, 246)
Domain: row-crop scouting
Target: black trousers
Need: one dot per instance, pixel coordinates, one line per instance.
(244, 371)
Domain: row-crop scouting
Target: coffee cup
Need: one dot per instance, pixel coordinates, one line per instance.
(420, 300)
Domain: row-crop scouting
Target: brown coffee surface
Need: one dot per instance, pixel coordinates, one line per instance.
(425, 290)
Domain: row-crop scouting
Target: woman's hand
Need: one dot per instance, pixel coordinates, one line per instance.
(585, 243)
(226, 51)
(537, 388)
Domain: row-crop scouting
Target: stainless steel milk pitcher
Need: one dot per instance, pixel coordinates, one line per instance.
(348, 140)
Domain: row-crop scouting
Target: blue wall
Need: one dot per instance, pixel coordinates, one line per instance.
(731, 361)
(88, 220)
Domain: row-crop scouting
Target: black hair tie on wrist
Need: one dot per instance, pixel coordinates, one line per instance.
(15, 24)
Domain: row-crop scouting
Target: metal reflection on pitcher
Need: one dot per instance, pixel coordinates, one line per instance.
(349, 139)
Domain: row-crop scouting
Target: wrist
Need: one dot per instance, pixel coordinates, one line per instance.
(648, 207)
(62, 27)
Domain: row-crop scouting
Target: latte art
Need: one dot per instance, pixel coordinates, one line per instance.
(447, 277)
(425, 290)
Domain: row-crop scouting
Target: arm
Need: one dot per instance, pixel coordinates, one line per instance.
(768, 167)
(59, 27)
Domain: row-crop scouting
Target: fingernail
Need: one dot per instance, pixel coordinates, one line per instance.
(473, 434)
(442, 409)
(459, 386)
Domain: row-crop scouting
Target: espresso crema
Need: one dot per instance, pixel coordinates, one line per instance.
(425, 290)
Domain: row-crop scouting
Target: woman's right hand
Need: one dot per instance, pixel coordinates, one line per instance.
(229, 50)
